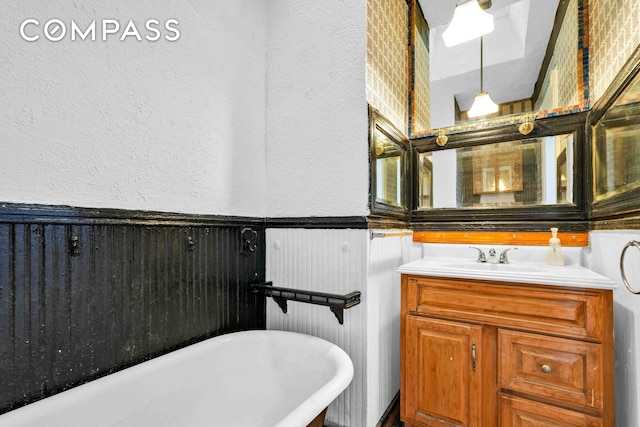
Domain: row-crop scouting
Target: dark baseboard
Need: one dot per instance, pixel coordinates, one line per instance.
(392, 414)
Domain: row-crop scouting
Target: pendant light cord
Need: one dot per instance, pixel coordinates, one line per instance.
(481, 65)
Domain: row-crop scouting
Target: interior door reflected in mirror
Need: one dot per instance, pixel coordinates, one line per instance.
(506, 174)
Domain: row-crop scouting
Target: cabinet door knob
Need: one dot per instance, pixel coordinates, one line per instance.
(545, 368)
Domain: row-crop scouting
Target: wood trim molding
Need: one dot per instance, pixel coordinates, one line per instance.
(338, 222)
(624, 223)
(518, 238)
(22, 213)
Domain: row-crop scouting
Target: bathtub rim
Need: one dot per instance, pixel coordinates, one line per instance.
(303, 414)
(309, 409)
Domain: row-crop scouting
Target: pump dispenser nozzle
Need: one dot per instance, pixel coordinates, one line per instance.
(554, 254)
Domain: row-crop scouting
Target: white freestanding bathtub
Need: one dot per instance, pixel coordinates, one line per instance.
(243, 379)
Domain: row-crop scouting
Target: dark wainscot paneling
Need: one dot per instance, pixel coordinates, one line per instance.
(137, 286)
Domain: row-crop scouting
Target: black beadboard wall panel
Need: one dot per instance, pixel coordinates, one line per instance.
(137, 287)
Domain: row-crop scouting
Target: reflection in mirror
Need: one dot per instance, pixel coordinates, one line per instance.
(530, 64)
(617, 145)
(425, 180)
(507, 174)
(389, 158)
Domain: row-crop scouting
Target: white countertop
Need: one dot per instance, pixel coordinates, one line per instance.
(537, 273)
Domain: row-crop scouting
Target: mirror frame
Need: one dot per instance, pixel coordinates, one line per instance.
(617, 210)
(568, 217)
(379, 209)
(582, 53)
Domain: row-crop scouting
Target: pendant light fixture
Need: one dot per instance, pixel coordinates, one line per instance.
(469, 22)
(482, 104)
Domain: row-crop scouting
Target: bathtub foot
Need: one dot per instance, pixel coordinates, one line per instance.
(319, 420)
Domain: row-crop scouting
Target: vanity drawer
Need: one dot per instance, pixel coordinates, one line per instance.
(565, 370)
(518, 412)
(557, 310)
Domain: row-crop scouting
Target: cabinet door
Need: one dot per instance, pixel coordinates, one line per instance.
(443, 372)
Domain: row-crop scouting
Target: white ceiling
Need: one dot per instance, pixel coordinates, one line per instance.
(513, 52)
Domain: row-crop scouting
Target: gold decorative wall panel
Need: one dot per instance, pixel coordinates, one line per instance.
(614, 36)
(387, 59)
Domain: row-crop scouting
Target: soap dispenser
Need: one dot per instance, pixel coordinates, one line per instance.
(554, 254)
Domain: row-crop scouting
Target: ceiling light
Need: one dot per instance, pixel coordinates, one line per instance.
(482, 104)
(469, 22)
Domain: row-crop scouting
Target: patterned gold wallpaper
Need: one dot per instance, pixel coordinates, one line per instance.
(387, 59)
(614, 36)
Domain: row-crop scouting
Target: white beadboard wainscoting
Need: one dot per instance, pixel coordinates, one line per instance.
(341, 261)
(604, 258)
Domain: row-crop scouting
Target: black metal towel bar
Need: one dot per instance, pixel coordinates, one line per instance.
(336, 303)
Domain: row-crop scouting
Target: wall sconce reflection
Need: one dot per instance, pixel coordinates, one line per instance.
(442, 139)
(527, 126)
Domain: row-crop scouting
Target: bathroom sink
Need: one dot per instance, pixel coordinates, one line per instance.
(476, 266)
(531, 272)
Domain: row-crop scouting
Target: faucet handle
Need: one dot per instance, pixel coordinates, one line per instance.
(481, 256)
(503, 256)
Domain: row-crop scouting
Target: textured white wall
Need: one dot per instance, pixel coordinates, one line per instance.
(612, 41)
(342, 261)
(333, 261)
(386, 254)
(317, 127)
(606, 248)
(168, 126)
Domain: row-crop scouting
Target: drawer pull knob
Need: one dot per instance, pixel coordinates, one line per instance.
(545, 368)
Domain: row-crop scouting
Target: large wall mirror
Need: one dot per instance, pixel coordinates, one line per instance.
(389, 168)
(499, 174)
(534, 63)
(525, 172)
(615, 132)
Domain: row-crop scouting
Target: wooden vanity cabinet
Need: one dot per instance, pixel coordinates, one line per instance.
(488, 353)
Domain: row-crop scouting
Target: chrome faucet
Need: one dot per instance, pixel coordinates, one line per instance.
(503, 256)
(492, 258)
(481, 256)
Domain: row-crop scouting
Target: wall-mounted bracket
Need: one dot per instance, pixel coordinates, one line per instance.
(282, 302)
(336, 303)
(74, 245)
(249, 237)
(191, 244)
